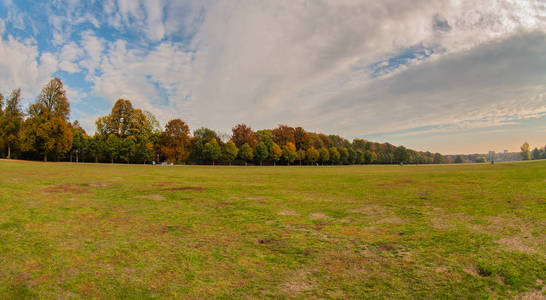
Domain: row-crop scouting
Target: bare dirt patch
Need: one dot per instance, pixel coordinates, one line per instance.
(185, 188)
(66, 188)
(288, 213)
(98, 184)
(390, 220)
(151, 197)
(317, 216)
(370, 209)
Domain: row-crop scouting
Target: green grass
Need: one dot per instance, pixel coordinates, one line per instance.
(128, 231)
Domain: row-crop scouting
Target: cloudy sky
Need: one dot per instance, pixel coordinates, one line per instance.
(450, 76)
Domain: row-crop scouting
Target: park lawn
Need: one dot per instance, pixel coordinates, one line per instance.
(138, 231)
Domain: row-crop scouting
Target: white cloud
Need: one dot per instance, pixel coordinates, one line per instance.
(22, 66)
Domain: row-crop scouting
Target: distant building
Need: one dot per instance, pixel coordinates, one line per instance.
(491, 156)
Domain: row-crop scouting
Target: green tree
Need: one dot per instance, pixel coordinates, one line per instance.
(324, 155)
(11, 121)
(230, 151)
(525, 151)
(79, 139)
(275, 153)
(401, 155)
(289, 152)
(334, 155)
(212, 150)
(127, 149)
(459, 159)
(262, 152)
(246, 153)
(112, 147)
(313, 155)
(301, 154)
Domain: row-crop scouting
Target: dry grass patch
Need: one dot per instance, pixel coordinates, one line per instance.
(299, 282)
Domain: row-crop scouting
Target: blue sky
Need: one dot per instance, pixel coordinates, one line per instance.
(448, 76)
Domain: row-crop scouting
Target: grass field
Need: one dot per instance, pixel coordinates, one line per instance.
(130, 231)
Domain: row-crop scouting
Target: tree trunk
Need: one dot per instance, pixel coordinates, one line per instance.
(112, 160)
(9, 151)
(261, 163)
(274, 163)
(45, 157)
(213, 162)
(246, 164)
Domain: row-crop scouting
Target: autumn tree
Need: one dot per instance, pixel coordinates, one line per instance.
(312, 155)
(212, 150)
(525, 151)
(262, 152)
(289, 153)
(47, 129)
(175, 141)
(246, 153)
(243, 134)
(11, 120)
(275, 152)
(301, 138)
(283, 134)
(324, 155)
(230, 151)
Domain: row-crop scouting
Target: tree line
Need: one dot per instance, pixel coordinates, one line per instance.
(131, 135)
(528, 154)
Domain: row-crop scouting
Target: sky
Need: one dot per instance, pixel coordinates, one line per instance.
(449, 76)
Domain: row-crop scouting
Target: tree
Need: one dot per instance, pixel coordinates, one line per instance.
(301, 155)
(459, 159)
(175, 141)
(535, 154)
(312, 155)
(246, 153)
(243, 134)
(289, 153)
(112, 147)
(201, 136)
(47, 129)
(334, 155)
(324, 155)
(79, 138)
(127, 149)
(230, 151)
(344, 155)
(525, 151)
(302, 139)
(212, 150)
(12, 120)
(283, 134)
(275, 153)
(401, 155)
(261, 152)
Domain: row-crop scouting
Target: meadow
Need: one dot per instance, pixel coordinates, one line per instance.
(469, 231)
